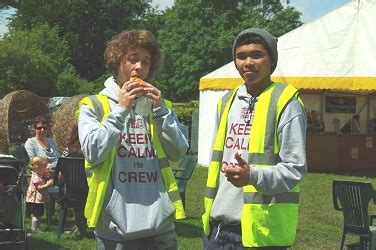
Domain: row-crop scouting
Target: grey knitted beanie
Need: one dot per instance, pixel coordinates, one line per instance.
(269, 39)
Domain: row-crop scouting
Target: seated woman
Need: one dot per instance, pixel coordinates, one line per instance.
(40, 145)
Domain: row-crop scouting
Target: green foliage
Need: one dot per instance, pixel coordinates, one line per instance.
(33, 60)
(70, 84)
(98, 83)
(284, 21)
(85, 25)
(197, 38)
(184, 112)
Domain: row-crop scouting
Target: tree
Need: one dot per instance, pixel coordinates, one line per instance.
(193, 38)
(34, 60)
(196, 38)
(86, 25)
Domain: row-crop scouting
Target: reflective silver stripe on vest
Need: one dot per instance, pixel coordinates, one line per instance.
(225, 100)
(269, 130)
(264, 158)
(259, 198)
(217, 155)
(210, 192)
(163, 163)
(174, 195)
(89, 172)
(97, 106)
(98, 109)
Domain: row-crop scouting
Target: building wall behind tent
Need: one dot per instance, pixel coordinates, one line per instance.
(335, 121)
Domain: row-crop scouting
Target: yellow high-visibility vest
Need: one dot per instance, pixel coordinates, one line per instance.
(98, 176)
(267, 220)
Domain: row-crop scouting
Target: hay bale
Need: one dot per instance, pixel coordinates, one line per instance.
(63, 120)
(17, 111)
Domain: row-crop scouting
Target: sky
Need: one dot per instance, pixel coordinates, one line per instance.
(311, 9)
(3, 19)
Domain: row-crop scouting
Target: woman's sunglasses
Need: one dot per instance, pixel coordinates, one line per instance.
(40, 128)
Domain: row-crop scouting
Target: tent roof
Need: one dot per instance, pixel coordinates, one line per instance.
(336, 51)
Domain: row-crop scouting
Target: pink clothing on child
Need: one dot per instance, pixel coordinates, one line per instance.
(33, 195)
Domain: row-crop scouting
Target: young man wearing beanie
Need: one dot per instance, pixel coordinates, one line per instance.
(258, 156)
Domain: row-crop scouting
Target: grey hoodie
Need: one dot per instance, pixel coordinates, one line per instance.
(136, 203)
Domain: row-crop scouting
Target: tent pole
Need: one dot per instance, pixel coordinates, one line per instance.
(322, 96)
(368, 115)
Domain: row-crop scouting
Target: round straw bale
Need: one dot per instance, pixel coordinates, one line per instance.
(63, 121)
(17, 111)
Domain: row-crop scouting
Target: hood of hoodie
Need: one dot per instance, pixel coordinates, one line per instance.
(111, 90)
(243, 95)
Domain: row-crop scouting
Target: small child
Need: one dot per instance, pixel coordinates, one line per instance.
(37, 191)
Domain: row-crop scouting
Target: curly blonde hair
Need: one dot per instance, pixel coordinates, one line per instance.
(119, 44)
(37, 161)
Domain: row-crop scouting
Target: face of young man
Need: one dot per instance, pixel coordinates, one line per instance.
(253, 64)
(135, 63)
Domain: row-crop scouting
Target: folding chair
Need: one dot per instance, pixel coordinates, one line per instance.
(73, 171)
(354, 198)
(188, 162)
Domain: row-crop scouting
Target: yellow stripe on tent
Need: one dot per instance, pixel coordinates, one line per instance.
(340, 83)
(219, 83)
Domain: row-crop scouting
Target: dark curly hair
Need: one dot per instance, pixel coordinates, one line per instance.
(40, 119)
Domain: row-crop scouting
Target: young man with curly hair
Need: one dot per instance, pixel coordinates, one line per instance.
(128, 133)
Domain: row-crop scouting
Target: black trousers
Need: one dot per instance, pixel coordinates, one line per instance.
(228, 237)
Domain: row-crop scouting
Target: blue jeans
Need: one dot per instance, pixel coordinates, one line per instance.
(163, 241)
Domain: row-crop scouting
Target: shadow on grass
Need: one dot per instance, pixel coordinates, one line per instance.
(189, 228)
(39, 243)
(90, 234)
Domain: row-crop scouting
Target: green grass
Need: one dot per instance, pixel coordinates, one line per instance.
(320, 225)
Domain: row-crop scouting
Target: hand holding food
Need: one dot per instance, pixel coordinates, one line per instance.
(129, 92)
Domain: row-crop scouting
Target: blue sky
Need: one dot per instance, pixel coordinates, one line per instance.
(311, 9)
(3, 19)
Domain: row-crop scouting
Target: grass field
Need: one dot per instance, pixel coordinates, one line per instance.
(320, 226)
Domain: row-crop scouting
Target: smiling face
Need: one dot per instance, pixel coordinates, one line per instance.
(136, 63)
(253, 64)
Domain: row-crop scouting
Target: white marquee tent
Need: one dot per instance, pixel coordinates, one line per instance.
(335, 52)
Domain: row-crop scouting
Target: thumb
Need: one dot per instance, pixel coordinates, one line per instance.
(242, 163)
